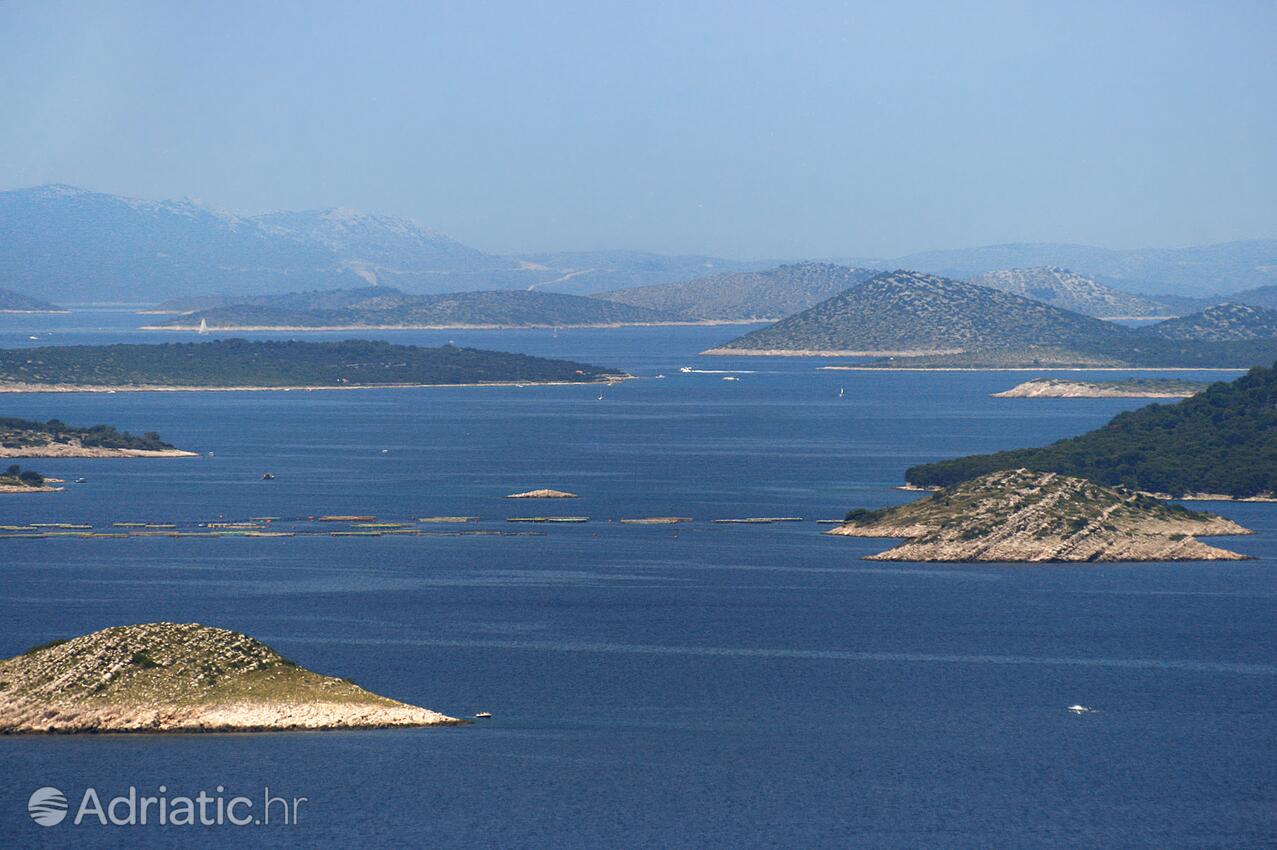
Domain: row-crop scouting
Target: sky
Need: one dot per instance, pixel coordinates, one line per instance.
(739, 129)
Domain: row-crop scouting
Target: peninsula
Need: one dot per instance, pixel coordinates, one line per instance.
(1023, 516)
(15, 479)
(170, 677)
(237, 364)
(1220, 443)
(1128, 388)
(23, 438)
(16, 302)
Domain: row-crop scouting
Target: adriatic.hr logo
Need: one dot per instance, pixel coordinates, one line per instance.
(48, 806)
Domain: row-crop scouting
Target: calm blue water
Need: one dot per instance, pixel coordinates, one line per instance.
(692, 686)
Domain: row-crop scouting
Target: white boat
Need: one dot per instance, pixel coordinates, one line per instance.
(203, 326)
(731, 378)
(685, 368)
(484, 715)
(842, 392)
(1080, 709)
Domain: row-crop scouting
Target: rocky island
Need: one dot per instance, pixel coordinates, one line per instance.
(238, 364)
(1129, 388)
(1031, 517)
(543, 494)
(23, 438)
(170, 677)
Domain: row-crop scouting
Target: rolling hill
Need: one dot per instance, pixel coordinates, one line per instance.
(745, 296)
(1220, 323)
(1071, 291)
(904, 312)
(923, 321)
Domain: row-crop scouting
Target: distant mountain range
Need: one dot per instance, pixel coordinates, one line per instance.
(744, 296)
(1195, 271)
(16, 302)
(1073, 291)
(928, 321)
(380, 306)
(79, 246)
(76, 246)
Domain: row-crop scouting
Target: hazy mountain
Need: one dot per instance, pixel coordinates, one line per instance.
(78, 246)
(385, 307)
(587, 272)
(769, 295)
(1195, 271)
(16, 302)
(1221, 322)
(1071, 291)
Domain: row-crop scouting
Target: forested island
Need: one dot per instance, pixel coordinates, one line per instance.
(24, 438)
(1222, 442)
(15, 479)
(277, 364)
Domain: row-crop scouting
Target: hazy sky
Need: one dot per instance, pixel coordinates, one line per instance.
(781, 129)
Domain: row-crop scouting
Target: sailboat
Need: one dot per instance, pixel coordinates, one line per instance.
(841, 392)
(203, 326)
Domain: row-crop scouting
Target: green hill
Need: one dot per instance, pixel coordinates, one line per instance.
(240, 363)
(765, 295)
(1223, 440)
(378, 306)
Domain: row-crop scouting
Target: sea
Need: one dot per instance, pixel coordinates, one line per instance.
(693, 685)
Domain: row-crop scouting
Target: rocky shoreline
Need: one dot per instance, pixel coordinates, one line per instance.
(1020, 516)
(71, 450)
(170, 677)
(448, 327)
(1064, 388)
(164, 388)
